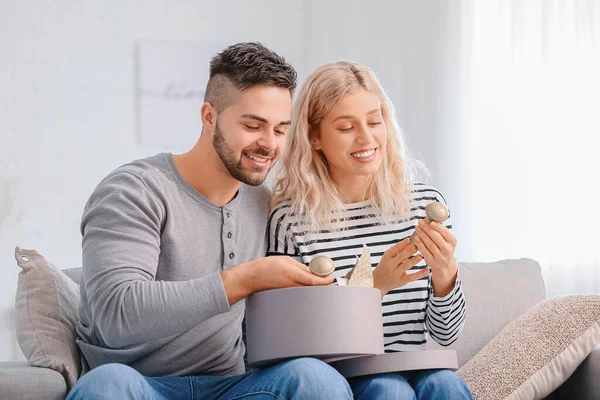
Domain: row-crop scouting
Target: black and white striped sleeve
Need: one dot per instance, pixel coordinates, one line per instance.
(280, 241)
(445, 316)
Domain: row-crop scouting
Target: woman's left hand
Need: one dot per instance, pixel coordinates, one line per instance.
(437, 244)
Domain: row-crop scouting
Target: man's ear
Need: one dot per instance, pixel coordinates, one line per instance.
(209, 117)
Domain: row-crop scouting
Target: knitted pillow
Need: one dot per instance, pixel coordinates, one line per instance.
(536, 353)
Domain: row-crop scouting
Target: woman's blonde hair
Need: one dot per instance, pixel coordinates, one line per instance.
(303, 176)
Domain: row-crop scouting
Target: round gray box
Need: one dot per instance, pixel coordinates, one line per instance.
(323, 322)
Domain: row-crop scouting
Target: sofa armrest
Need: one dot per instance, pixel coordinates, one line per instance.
(21, 381)
(584, 384)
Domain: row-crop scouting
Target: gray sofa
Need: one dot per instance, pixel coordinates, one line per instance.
(496, 293)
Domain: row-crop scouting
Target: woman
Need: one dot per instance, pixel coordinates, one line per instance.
(345, 181)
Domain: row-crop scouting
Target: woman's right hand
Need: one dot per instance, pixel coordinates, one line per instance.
(390, 273)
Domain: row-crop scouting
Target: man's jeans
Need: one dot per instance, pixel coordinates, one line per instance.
(303, 378)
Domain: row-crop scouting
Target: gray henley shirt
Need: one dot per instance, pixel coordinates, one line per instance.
(151, 293)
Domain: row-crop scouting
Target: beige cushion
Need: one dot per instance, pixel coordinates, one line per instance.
(47, 303)
(537, 352)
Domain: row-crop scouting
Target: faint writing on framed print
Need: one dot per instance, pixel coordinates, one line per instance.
(170, 84)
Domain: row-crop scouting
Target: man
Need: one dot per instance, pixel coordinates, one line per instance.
(172, 246)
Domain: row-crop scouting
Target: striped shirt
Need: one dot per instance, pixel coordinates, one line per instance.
(410, 312)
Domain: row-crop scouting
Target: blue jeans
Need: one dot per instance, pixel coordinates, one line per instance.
(302, 378)
(439, 384)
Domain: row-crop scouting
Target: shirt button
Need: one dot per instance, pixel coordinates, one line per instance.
(228, 214)
(229, 235)
(231, 255)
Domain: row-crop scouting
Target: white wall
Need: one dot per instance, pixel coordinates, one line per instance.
(67, 94)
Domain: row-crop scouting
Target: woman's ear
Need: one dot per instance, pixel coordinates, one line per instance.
(315, 144)
(315, 141)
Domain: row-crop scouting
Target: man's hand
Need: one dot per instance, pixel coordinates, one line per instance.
(391, 270)
(268, 273)
(437, 244)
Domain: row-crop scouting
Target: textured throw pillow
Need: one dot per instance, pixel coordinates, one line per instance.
(46, 307)
(536, 353)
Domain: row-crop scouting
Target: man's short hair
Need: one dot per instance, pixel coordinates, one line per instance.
(242, 66)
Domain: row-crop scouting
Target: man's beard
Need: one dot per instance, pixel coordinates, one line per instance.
(233, 166)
